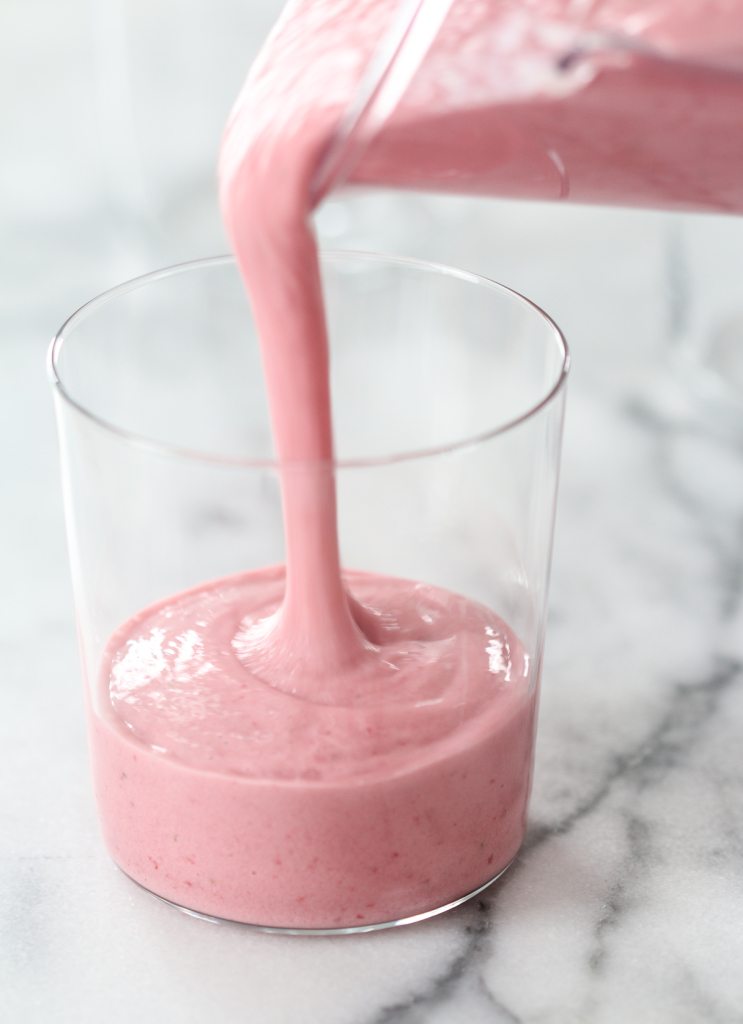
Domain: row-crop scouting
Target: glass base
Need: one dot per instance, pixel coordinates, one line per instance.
(351, 930)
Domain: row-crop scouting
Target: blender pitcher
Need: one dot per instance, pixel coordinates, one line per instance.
(620, 102)
(613, 102)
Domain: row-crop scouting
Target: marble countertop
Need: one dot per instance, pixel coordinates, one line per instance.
(626, 901)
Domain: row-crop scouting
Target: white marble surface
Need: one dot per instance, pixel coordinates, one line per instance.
(626, 902)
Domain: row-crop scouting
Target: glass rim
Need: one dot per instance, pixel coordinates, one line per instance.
(142, 441)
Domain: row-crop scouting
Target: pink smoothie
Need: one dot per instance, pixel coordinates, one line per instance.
(309, 748)
(302, 747)
(232, 797)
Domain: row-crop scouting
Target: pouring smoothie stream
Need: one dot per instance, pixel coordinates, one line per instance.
(261, 754)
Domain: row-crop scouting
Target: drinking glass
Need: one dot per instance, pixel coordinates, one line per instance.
(448, 393)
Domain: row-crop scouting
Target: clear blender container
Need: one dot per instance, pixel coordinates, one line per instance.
(630, 103)
(622, 102)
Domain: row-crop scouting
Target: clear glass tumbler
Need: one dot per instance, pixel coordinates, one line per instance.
(448, 394)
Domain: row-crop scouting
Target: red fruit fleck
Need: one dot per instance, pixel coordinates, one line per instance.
(490, 859)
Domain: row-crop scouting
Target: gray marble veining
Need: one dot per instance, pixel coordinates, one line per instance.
(626, 902)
